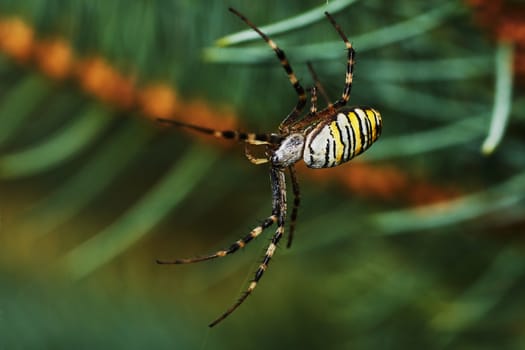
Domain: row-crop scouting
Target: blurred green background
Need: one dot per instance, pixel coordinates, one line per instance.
(418, 244)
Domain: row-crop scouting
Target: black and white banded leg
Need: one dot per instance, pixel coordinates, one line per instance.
(279, 204)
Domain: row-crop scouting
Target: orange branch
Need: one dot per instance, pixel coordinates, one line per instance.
(97, 77)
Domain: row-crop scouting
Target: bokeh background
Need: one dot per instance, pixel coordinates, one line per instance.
(416, 244)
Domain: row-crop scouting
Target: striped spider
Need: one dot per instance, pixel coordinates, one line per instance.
(322, 139)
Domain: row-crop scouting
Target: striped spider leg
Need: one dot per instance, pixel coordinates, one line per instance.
(317, 87)
(322, 139)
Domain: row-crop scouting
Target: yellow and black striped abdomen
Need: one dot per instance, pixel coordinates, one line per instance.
(337, 140)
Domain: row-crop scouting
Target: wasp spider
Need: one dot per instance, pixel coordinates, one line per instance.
(322, 139)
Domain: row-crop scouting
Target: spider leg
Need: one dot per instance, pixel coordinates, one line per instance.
(279, 204)
(329, 111)
(314, 115)
(248, 137)
(254, 159)
(296, 111)
(349, 67)
(241, 243)
(318, 84)
(296, 203)
(313, 100)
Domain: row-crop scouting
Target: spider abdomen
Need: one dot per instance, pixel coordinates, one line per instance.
(347, 134)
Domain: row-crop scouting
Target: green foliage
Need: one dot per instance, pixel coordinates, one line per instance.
(90, 196)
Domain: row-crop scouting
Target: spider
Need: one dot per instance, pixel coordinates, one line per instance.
(322, 139)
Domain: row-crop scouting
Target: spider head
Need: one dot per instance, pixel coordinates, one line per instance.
(289, 151)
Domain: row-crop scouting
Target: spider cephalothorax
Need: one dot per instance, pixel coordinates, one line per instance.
(322, 139)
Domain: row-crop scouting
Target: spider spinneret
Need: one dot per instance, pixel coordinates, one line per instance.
(323, 139)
